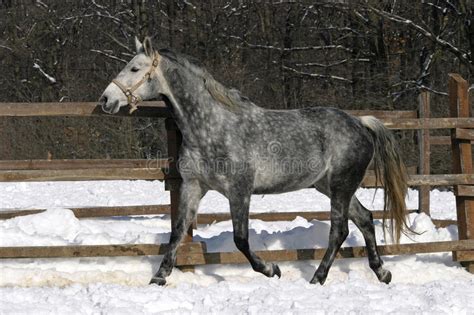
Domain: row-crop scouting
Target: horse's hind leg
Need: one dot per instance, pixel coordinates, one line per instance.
(191, 192)
(340, 200)
(239, 208)
(362, 218)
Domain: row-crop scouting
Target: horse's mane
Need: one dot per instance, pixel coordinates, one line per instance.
(229, 98)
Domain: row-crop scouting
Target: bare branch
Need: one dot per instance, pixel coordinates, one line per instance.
(453, 7)
(47, 76)
(41, 4)
(97, 14)
(290, 49)
(326, 47)
(98, 5)
(115, 40)
(430, 89)
(317, 75)
(6, 47)
(109, 55)
(321, 65)
(425, 69)
(189, 4)
(415, 85)
(337, 63)
(443, 10)
(462, 55)
(360, 16)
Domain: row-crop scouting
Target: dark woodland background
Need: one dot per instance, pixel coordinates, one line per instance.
(282, 54)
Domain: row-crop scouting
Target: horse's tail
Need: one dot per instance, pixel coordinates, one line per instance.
(391, 171)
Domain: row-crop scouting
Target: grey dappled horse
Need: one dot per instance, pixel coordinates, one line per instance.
(238, 149)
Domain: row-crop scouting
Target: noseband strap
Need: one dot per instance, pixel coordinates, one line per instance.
(133, 99)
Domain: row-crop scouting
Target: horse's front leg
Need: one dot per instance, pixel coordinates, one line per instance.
(191, 192)
(239, 208)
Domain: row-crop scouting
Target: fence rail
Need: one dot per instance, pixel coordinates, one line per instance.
(196, 253)
(81, 109)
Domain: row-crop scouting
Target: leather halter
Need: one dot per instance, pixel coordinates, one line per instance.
(133, 99)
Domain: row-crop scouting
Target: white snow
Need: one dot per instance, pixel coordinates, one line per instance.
(421, 283)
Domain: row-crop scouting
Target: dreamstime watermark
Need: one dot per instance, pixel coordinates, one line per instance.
(274, 159)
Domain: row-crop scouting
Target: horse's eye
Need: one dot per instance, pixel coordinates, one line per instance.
(135, 69)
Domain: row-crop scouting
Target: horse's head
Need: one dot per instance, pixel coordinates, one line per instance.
(136, 82)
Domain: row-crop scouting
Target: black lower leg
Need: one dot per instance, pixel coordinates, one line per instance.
(169, 259)
(256, 262)
(190, 195)
(362, 218)
(337, 235)
(240, 221)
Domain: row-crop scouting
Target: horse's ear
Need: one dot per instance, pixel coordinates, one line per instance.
(147, 45)
(138, 46)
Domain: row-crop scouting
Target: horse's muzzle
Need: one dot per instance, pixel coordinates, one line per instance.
(109, 107)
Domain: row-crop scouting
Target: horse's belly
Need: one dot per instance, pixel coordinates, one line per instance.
(282, 187)
(273, 182)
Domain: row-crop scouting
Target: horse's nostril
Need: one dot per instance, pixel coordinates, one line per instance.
(103, 100)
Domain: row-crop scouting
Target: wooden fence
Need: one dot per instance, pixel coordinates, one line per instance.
(460, 123)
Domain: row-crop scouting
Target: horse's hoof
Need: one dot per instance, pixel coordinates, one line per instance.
(385, 276)
(157, 280)
(318, 279)
(276, 271)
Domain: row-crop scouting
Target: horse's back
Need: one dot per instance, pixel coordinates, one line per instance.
(327, 126)
(299, 147)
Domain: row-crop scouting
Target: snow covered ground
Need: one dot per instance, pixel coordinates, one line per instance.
(421, 283)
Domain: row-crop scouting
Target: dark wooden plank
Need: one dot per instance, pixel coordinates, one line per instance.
(464, 255)
(208, 218)
(92, 212)
(441, 223)
(465, 134)
(159, 109)
(80, 164)
(424, 156)
(81, 251)
(432, 180)
(9, 214)
(152, 109)
(465, 190)
(440, 140)
(145, 109)
(459, 106)
(469, 265)
(81, 174)
(384, 114)
(430, 123)
(197, 256)
(344, 252)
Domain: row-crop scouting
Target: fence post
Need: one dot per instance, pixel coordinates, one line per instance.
(424, 153)
(462, 163)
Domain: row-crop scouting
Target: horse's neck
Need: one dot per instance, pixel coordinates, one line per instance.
(195, 111)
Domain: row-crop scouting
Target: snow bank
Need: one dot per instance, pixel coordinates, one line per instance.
(421, 283)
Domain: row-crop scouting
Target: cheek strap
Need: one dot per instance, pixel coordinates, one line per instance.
(133, 99)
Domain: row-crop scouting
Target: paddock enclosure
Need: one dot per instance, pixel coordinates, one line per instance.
(460, 123)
